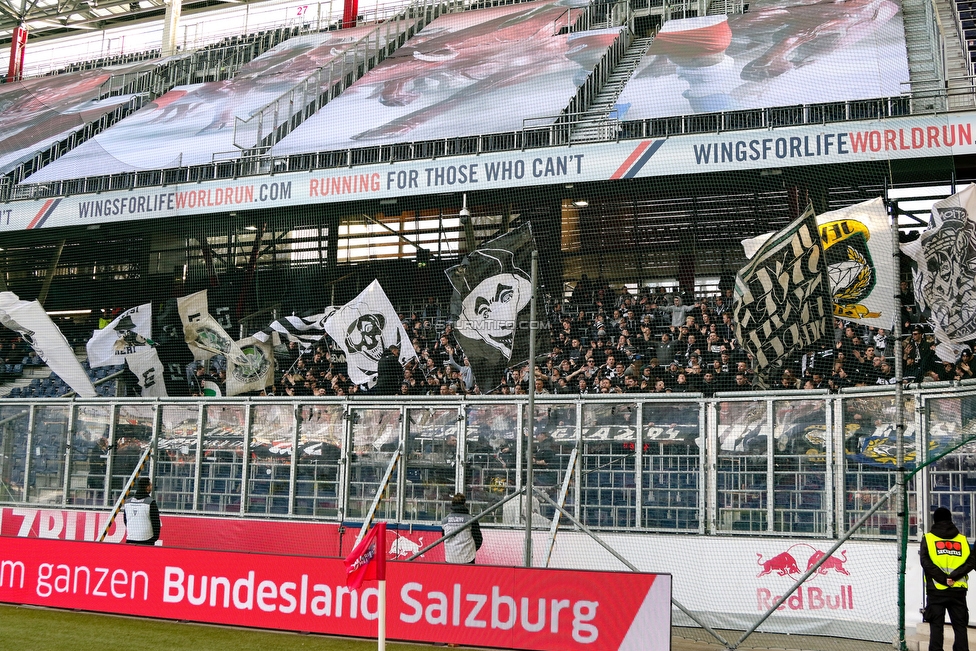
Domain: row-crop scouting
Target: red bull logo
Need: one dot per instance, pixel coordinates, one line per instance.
(806, 597)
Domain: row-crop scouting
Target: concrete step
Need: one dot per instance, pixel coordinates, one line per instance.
(920, 641)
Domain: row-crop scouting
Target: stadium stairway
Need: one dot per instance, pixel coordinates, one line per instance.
(920, 640)
(598, 118)
(923, 30)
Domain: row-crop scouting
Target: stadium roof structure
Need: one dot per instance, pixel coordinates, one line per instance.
(53, 17)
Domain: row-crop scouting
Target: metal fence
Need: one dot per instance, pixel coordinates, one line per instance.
(793, 463)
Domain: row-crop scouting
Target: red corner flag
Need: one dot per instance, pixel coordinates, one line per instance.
(367, 562)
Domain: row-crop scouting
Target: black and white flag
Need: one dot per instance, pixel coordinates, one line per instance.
(364, 328)
(305, 331)
(490, 306)
(130, 332)
(945, 281)
(147, 368)
(202, 333)
(783, 302)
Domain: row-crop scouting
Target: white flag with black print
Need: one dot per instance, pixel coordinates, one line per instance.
(250, 367)
(202, 333)
(782, 302)
(147, 368)
(29, 319)
(305, 331)
(490, 305)
(364, 328)
(129, 333)
(857, 244)
(945, 280)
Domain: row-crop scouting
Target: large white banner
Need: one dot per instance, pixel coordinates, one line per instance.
(945, 280)
(778, 53)
(33, 324)
(364, 328)
(899, 138)
(128, 333)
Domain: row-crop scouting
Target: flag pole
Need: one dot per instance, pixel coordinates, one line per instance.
(381, 580)
(531, 416)
(901, 509)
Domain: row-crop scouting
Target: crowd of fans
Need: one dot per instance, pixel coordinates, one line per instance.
(654, 341)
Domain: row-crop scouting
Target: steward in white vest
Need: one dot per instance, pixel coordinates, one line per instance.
(141, 515)
(462, 547)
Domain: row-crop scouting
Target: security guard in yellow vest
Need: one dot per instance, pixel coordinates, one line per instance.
(946, 560)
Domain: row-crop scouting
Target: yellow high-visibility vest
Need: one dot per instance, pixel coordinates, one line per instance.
(947, 556)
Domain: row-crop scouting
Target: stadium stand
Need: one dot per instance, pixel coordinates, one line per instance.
(641, 153)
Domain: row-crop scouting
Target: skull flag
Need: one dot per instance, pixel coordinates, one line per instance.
(490, 306)
(364, 328)
(782, 297)
(945, 281)
(129, 333)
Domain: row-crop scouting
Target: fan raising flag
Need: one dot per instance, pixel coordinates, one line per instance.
(367, 561)
(492, 290)
(945, 281)
(782, 297)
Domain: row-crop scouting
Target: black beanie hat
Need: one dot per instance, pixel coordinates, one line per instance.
(942, 514)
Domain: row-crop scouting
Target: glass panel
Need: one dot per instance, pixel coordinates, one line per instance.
(176, 458)
(869, 444)
(555, 438)
(269, 472)
(375, 437)
(672, 466)
(13, 452)
(47, 464)
(742, 463)
(609, 485)
(320, 444)
(800, 500)
(133, 433)
(491, 466)
(431, 461)
(89, 455)
(222, 459)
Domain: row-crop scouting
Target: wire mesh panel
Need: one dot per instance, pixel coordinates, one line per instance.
(609, 482)
(870, 455)
(46, 481)
(222, 459)
(375, 440)
(176, 458)
(742, 472)
(14, 424)
(133, 434)
(89, 456)
(432, 454)
(672, 479)
(491, 463)
(554, 431)
(801, 501)
(321, 442)
(270, 468)
(952, 479)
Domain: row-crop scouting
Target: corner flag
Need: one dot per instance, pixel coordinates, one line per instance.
(367, 562)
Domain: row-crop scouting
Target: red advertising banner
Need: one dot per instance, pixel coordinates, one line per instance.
(199, 532)
(514, 608)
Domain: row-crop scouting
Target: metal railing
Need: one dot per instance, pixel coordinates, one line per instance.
(781, 463)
